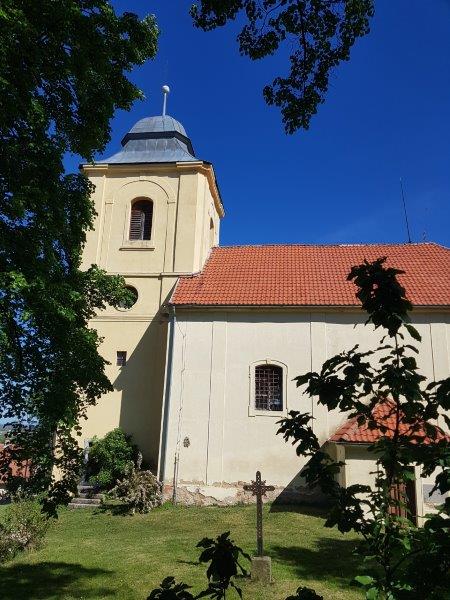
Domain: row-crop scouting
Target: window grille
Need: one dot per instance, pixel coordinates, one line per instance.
(268, 387)
(121, 358)
(141, 220)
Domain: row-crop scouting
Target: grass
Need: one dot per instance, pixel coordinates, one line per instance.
(90, 554)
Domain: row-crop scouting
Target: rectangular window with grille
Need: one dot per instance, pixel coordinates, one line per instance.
(268, 387)
(121, 358)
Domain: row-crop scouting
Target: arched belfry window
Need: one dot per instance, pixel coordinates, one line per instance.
(141, 220)
(268, 387)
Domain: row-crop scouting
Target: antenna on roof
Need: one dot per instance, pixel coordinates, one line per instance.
(166, 92)
(406, 213)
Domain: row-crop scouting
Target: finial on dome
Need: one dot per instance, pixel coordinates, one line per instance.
(166, 92)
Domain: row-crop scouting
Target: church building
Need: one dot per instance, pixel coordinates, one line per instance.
(203, 363)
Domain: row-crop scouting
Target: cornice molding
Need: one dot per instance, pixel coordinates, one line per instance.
(137, 170)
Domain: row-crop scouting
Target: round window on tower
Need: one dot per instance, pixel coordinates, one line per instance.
(134, 293)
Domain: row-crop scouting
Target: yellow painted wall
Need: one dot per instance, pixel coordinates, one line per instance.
(185, 203)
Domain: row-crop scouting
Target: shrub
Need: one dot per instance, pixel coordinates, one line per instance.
(139, 490)
(169, 589)
(304, 593)
(109, 458)
(23, 528)
(223, 556)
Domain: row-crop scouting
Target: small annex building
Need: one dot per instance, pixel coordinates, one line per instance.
(203, 363)
(351, 441)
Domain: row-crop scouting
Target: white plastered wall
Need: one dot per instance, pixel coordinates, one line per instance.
(215, 437)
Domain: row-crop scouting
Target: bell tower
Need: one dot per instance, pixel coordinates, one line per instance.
(158, 215)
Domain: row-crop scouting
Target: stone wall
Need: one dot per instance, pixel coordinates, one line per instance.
(197, 494)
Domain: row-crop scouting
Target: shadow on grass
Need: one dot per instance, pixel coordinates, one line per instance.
(114, 509)
(331, 558)
(302, 509)
(51, 580)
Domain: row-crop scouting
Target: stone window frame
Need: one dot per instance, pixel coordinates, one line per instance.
(128, 244)
(252, 410)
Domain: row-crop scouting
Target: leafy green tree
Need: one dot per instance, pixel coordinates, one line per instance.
(318, 33)
(63, 73)
(411, 562)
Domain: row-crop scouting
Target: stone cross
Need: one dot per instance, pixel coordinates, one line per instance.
(259, 489)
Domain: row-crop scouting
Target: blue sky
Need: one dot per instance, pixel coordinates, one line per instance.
(386, 116)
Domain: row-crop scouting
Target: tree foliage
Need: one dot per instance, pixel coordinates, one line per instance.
(412, 562)
(63, 72)
(318, 35)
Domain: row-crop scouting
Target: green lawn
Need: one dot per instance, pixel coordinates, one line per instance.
(94, 555)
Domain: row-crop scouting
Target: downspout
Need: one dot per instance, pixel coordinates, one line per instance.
(169, 372)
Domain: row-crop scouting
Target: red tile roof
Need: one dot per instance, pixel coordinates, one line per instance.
(17, 469)
(384, 415)
(299, 275)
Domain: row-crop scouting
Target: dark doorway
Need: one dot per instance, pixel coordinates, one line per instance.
(411, 499)
(405, 494)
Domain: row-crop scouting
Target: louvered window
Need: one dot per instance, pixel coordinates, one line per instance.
(268, 387)
(141, 220)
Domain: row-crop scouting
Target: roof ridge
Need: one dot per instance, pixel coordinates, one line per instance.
(342, 245)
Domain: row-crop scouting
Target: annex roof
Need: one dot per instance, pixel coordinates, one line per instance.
(302, 275)
(384, 414)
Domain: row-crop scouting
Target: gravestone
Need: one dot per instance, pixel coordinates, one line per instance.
(261, 565)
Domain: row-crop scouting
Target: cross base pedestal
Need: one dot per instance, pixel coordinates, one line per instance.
(261, 569)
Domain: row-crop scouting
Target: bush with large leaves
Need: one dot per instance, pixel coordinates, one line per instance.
(223, 558)
(63, 73)
(304, 593)
(169, 589)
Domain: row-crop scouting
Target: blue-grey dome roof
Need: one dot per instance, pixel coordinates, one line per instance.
(152, 124)
(154, 140)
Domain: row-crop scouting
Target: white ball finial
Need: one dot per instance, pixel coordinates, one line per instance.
(166, 92)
